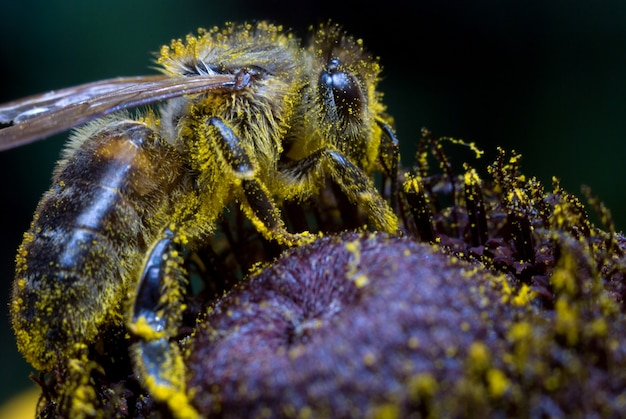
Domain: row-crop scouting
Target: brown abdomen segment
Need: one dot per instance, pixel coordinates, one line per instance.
(87, 239)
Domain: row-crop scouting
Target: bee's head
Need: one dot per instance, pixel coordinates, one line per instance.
(346, 91)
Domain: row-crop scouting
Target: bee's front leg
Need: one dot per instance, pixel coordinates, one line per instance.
(389, 158)
(155, 319)
(302, 174)
(258, 205)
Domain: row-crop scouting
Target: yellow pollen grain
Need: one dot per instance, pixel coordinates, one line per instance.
(360, 280)
(498, 382)
(479, 356)
(369, 359)
(422, 385)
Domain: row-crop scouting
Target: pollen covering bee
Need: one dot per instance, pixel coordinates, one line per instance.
(247, 115)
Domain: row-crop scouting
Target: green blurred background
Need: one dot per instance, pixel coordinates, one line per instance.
(544, 78)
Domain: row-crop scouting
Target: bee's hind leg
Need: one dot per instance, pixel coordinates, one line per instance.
(155, 319)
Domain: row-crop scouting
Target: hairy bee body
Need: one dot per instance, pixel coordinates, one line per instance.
(248, 116)
(76, 263)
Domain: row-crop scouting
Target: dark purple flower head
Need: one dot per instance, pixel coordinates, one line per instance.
(344, 327)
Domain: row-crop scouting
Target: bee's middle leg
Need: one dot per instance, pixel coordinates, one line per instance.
(259, 206)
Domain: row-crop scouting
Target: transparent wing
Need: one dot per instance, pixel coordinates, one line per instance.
(39, 116)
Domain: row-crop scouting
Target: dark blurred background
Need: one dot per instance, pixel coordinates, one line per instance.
(544, 78)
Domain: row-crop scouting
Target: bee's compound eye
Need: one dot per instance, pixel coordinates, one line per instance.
(340, 91)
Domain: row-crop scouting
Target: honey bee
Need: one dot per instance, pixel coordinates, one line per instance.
(245, 114)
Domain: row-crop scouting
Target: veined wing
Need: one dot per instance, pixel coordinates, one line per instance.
(39, 116)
